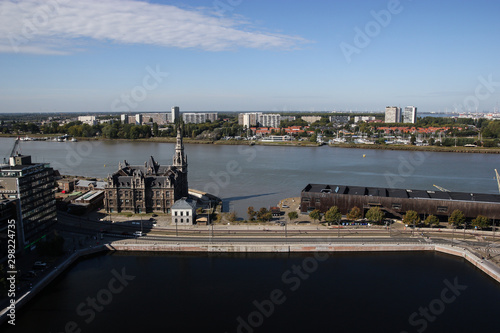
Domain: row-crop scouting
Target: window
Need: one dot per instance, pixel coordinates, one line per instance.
(182, 220)
(167, 194)
(175, 214)
(110, 194)
(187, 213)
(157, 202)
(182, 213)
(157, 194)
(442, 209)
(175, 221)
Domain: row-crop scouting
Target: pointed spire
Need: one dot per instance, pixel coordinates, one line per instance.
(179, 158)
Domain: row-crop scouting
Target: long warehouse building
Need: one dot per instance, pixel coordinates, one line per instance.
(397, 202)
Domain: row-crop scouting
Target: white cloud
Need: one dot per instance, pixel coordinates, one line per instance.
(45, 27)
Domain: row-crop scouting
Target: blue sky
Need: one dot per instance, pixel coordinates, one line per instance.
(237, 55)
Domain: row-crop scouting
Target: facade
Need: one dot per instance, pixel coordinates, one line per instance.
(198, 117)
(277, 138)
(149, 187)
(124, 118)
(247, 119)
(410, 115)
(89, 120)
(357, 119)
(184, 212)
(340, 119)
(392, 114)
(398, 201)
(8, 213)
(175, 114)
(311, 119)
(161, 118)
(138, 119)
(268, 119)
(32, 184)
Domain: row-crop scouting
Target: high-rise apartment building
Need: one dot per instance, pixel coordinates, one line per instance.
(410, 114)
(392, 114)
(198, 117)
(175, 114)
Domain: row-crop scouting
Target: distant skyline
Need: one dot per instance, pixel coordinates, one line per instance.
(242, 55)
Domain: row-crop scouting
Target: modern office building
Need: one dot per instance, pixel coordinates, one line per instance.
(392, 114)
(410, 114)
(33, 185)
(8, 216)
(149, 187)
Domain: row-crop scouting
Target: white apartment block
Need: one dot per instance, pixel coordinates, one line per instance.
(392, 114)
(89, 120)
(410, 114)
(199, 117)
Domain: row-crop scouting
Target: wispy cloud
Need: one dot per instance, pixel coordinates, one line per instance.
(46, 27)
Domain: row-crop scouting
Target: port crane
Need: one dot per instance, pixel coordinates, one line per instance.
(13, 151)
(442, 189)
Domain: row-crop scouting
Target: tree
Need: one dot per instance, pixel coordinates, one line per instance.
(293, 216)
(354, 213)
(481, 222)
(315, 215)
(411, 218)
(232, 217)
(375, 214)
(413, 139)
(264, 215)
(333, 215)
(431, 220)
(457, 218)
(156, 131)
(251, 213)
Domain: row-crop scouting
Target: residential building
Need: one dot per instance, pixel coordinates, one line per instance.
(410, 114)
(89, 120)
(33, 185)
(357, 119)
(124, 118)
(198, 117)
(138, 119)
(247, 119)
(392, 114)
(175, 114)
(341, 120)
(184, 212)
(268, 119)
(311, 119)
(149, 187)
(161, 118)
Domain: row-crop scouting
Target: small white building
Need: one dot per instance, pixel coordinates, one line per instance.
(184, 212)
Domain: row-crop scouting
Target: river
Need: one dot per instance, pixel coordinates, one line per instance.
(351, 292)
(260, 176)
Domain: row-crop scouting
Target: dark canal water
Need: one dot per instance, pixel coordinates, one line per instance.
(356, 292)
